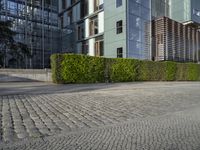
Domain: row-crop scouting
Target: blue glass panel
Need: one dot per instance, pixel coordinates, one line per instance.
(139, 15)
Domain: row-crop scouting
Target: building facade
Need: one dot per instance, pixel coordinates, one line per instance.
(160, 8)
(185, 11)
(177, 38)
(105, 28)
(36, 25)
(114, 28)
(175, 41)
(82, 24)
(127, 29)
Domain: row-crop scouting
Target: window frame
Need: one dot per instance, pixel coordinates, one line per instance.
(119, 3)
(120, 54)
(94, 26)
(80, 31)
(119, 27)
(85, 47)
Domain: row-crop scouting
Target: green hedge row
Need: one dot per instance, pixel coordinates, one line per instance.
(77, 68)
(71, 68)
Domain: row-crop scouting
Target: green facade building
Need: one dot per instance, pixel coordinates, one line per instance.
(127, 29)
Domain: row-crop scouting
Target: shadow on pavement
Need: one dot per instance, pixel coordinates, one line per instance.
(7, 78)
(13, 88)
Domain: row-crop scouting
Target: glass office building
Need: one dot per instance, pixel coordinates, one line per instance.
(108, 28)
(177, 38)
(128, 29)
(36, 25)
(175, 41)
(185, 11)
(159, 8)
(128, 21)
(135, 40)
(195, 11)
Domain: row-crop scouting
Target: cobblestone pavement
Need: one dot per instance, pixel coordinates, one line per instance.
(147, 116)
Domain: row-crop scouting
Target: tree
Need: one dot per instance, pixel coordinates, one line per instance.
(17, 51)
(6, 38)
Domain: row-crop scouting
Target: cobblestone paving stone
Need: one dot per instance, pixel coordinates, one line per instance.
(126, 116)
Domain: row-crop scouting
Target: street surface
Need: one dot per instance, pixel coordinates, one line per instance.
(132, 116)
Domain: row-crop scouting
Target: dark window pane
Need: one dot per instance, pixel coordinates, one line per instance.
(120, 52)
(119, 26)
(118, 3)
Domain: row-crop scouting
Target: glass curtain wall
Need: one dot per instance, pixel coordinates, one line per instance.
(36, 25)
(195, 11)
(139, 29)
(69, 16)
(159, 8)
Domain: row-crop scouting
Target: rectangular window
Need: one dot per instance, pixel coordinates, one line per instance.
(119, 26)
(98, 4)
(85, 47)
(118, 3)
(120, 52)
(62, 22)
(81, 31)
(70, 19)
(84, 8)
(99, 46)
(64, 4)
(94, 26)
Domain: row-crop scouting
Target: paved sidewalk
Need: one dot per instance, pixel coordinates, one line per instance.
(151, 115)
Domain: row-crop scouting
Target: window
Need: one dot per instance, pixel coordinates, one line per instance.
(84, 8)
(64, 4)
(118, 3)
(81, 31)
(94, 26)
(119, 26)
(120, 52)
(12, 7)
(98, 4)
(85, 47)
(196, 12)
(99, 46)
(70, 19)
(62, 22)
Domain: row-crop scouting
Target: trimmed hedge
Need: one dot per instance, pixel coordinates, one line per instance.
(170, 72)
(124, 70)
(151, 71)
(69, 68)
(193, 72)
(72, 68)
(181, 72)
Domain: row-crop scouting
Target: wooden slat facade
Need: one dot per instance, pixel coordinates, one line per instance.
(174, 41)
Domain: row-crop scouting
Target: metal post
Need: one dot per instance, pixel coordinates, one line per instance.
(26, 26)
(43, 65)
(32, 8)
(6, 18)
(51, 37)
(150, 33)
